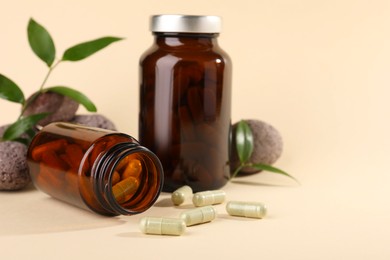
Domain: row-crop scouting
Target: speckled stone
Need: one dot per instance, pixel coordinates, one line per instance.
(61, 108)
(94, 120)
(268, 145)
(14, 174)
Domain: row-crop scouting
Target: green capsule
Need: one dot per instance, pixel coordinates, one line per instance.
(162, 226)
(246, 209)
(199, 215)
(181, 194)
(211, 197)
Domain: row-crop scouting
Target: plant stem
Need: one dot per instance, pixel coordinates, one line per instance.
(35, 95)
(48, 74)
(264, 167)
(239, 168)
(27, 103)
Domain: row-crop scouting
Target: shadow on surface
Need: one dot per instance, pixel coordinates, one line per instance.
(244, 219)
(165, 202)
(263, 184)
(37, 214)
(148, 236)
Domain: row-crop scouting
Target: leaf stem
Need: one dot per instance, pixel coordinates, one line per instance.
(34, 96)
(48, 74)
(27, 103)
(239, 168)
(264, 167)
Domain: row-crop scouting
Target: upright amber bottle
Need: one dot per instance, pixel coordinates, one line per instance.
(185, 101)
(96, 169)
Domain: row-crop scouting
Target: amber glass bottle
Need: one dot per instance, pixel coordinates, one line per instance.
(100, 170)
(185, 101)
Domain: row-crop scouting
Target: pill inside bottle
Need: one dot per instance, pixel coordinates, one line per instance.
(128, 170)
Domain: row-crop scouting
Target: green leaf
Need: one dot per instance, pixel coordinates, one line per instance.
(75, 95)
(41, 42)
(86, 49)
(10, 91)
(24, 141)
(21, 126)
(30, 133)
(244, 141)
(269, 168)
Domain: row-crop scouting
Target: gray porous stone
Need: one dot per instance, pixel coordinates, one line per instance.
(61, 108)
(14, 174)
(94, 120)
(268, 145)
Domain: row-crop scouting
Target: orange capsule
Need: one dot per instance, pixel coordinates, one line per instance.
(123, 163)
(115, 178)
(74, 154)
(56, 145)
(50, 180)
(125, 189)
(133, 169)
(51, 159)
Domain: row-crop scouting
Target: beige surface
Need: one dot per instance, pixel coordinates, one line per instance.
(316, 70)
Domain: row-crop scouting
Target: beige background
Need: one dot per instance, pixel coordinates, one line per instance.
(316, 70)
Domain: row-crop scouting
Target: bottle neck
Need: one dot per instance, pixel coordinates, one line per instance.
(186, 40)
(150, 180)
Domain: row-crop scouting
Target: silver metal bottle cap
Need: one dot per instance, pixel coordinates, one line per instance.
(186, 23)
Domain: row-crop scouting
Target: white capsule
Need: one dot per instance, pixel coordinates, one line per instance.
(199, 215)
(246, 209)
(211, 197)
(181, 194)
(162, 226)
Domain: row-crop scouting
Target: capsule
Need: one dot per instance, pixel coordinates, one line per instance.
(199, 215)
(162, 226)
(246, 209)
(116, 177)
(49, 146)
(133, 169)
(125, 189)
(179, 196)
(211, 197)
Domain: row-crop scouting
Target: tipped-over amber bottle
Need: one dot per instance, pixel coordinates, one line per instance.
(96, 169)
(185, 101)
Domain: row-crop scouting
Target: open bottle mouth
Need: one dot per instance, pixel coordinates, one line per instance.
(129, 179)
